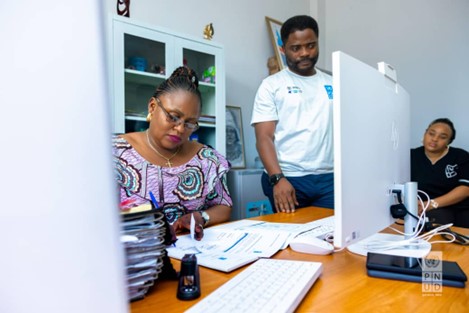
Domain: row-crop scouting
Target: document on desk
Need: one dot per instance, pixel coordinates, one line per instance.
(229, 246)
(291, 229)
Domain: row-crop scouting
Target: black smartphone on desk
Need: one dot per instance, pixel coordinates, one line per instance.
(397, 267)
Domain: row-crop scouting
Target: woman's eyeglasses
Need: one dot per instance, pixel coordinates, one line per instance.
(176, 120)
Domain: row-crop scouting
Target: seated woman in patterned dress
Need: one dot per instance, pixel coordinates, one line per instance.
(185, 177)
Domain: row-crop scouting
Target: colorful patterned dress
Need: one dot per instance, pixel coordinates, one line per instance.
(197, 185)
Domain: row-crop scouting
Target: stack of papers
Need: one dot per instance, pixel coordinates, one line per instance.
(229, 246)
(143, 238)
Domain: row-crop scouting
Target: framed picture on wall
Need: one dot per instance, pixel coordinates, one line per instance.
(274, 27)
(234, 137)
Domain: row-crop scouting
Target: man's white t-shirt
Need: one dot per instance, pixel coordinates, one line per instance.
(302, 107)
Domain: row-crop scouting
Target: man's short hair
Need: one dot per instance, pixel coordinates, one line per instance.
(299, 22)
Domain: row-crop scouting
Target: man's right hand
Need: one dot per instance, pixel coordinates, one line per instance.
(285, 196)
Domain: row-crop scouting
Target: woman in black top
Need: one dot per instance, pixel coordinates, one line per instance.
(443, 173)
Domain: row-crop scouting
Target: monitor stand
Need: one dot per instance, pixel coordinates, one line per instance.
(421, 250)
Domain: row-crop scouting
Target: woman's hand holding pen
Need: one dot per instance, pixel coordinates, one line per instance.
(184, 223)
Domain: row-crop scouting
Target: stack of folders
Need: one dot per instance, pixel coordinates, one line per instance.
(143, 233)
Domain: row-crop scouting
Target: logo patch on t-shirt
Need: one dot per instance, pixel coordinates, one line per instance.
(294, 89)
(450, 170)
(329, 91)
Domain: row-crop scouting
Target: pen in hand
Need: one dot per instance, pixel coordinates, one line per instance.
(169, 236)
(153, 200)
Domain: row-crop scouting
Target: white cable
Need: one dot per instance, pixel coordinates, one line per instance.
(414, 239)
(420, 221)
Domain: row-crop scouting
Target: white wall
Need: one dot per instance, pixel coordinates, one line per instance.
(425, 40)
(240, 27)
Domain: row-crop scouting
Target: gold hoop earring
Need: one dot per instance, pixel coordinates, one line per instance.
(149, 116)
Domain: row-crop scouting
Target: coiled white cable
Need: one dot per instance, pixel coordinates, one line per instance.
(414, 238)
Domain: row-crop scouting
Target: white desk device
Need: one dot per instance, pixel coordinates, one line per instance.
(313, 241)
(311, 245)
(268, 285)
(372, 109)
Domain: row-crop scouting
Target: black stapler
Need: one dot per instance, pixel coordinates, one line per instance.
(189, 279)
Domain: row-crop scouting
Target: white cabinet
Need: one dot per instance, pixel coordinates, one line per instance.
(143, 55)
(247, 195)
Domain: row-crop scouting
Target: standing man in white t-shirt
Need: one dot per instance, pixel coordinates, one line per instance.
(292, 117)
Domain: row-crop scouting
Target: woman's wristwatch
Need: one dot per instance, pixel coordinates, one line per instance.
(434, 204)
(205, 217)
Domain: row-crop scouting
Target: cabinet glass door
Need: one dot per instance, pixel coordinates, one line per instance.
(141, 63)
(206, 60)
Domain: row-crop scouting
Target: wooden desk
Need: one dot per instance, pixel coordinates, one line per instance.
(343, 286)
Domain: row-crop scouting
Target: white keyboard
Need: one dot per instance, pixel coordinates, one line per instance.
(322, 227)
(268, 285)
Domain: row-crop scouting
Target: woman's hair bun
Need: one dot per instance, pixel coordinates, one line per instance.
(184, 72)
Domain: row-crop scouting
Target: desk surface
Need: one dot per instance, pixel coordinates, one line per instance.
(343, 286)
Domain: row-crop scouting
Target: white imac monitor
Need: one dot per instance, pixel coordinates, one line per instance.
(371, 148)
